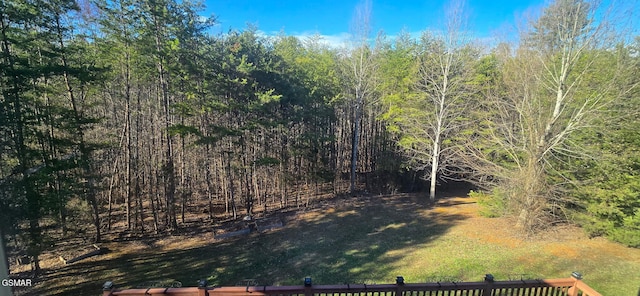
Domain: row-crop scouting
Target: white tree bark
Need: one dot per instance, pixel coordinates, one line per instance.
(441, 93)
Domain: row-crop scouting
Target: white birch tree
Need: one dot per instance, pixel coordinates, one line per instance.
(431, 119)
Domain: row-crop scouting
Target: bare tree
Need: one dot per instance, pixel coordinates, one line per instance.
(359, 76)
(555, 85)
(434, 115)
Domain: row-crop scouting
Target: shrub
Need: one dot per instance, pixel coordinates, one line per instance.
(629, 232)
(611, 213)
(491, 205)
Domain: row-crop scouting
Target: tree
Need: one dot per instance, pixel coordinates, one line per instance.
(430, 119)
(359, 78)
(45, 128)
(16, 108)
(162, 33)
(309, 67)
(79, 118)
(116, 24)
(550, 93)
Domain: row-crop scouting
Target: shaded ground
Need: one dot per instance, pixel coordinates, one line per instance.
(367, 240)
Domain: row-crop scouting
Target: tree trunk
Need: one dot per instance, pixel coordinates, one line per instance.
(110, 199)
(154, 212)
(154, 190)
(128, 193)
(354, 145)
(183, 186)
(209, 181)
(140, 207)
(434, 167)
(230, 184)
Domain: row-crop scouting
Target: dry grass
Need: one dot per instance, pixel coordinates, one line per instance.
(364, 240)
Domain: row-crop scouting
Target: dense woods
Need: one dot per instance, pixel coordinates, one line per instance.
(129, 118)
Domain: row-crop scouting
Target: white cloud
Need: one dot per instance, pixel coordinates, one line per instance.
(339, 40)
(333, 41)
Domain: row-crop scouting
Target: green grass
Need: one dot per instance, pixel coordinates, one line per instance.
(371, 241)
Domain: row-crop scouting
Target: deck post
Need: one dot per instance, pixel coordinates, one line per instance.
(399, 286)
(576, 276)
(488, 284)
(307, 286)
(107, 288)
(202, 288)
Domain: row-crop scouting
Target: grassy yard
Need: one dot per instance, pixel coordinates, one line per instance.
(359, 241)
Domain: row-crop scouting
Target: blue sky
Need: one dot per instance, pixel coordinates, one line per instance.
(331, 18)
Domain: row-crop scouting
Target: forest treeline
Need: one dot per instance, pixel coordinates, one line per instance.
(120, 112)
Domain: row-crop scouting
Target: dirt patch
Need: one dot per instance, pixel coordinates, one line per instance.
(489, 231)
(527, 260)
(562, 250)
(184, 242)
(599, 245)
(463, 206)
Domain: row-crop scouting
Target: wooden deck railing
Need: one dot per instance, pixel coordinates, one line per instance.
(572, 286)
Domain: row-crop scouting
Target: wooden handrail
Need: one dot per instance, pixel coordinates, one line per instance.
(585, 289)
(563, 286)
